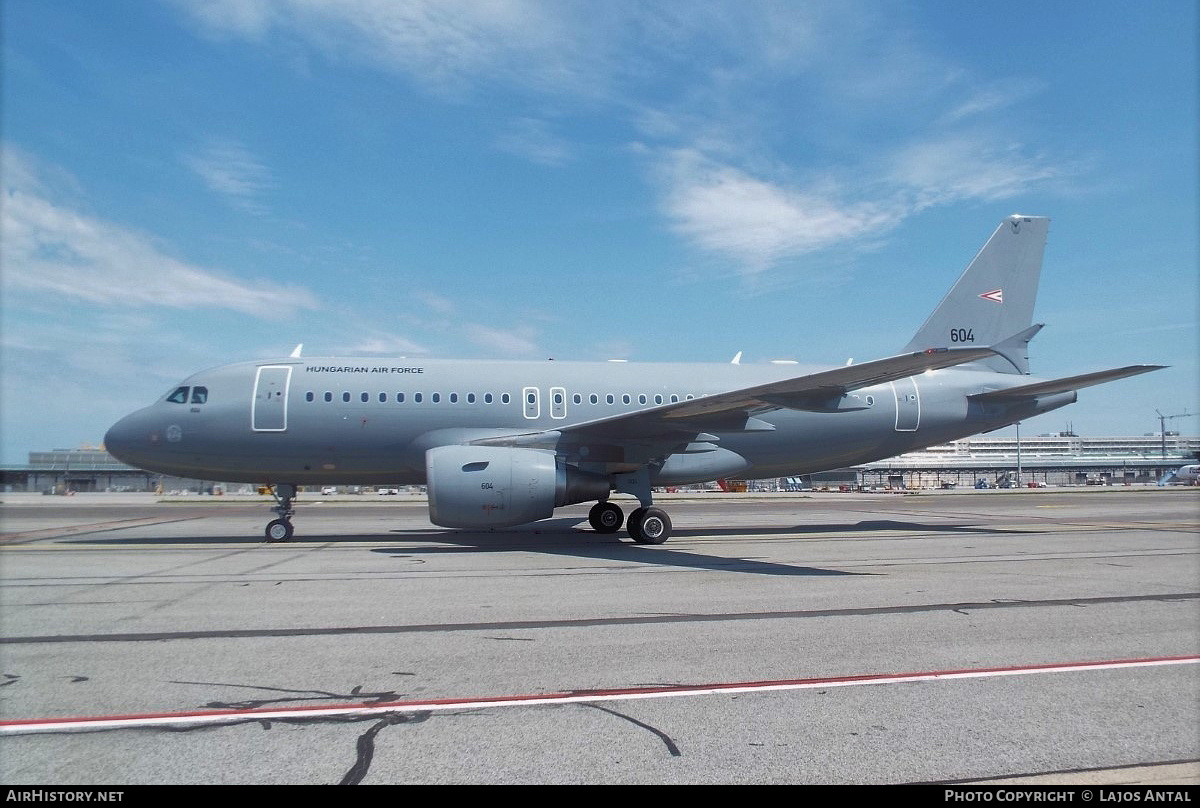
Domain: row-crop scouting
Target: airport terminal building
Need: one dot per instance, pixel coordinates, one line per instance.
(1057, 460)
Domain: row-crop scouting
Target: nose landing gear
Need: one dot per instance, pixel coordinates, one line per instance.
(281, 529)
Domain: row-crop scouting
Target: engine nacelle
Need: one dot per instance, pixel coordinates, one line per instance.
(488, 486)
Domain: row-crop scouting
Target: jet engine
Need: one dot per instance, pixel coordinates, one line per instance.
(487, 486)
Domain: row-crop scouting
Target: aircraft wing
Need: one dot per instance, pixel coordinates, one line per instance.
(1064, 385)
(816, 388)
(734, 410)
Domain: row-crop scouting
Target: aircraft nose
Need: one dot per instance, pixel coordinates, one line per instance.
(129, 439)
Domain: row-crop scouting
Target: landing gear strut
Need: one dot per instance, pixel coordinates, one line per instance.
(281, 529)
(647, 524)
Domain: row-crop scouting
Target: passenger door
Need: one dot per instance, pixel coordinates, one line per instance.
(268, 409)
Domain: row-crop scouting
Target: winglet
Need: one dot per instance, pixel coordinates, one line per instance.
(296, 351)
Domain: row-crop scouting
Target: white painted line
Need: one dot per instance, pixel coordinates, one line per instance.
(79, 724)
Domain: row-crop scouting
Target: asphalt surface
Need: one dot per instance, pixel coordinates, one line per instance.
(1042, 636)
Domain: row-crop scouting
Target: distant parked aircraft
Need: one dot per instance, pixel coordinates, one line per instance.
(1184, 475)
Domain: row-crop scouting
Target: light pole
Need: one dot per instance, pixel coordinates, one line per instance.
(1018, 454)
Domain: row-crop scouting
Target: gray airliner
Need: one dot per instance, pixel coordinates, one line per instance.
(505, 443)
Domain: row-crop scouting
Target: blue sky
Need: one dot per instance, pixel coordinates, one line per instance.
(192, 183)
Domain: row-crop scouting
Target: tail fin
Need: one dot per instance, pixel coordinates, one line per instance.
(993, 299)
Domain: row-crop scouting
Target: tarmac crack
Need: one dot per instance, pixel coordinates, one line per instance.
(664, 737)
(366, 748)
(356, 692)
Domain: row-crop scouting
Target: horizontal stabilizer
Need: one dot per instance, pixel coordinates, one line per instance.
(1064, 385)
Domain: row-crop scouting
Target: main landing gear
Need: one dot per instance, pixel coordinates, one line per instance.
(647, 525)
(281, 529)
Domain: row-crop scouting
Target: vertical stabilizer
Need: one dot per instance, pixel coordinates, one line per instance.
(993, 299)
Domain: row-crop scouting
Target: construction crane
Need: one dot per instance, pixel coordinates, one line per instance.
(1162, 426)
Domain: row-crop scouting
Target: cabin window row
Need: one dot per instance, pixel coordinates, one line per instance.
(416, 398)
(505, 398)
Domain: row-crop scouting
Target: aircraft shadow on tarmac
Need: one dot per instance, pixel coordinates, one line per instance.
(563, 536)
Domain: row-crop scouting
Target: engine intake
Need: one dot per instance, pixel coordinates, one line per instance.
(488, 486)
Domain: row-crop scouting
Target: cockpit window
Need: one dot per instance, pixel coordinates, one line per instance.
(199, 395)
(179, 396)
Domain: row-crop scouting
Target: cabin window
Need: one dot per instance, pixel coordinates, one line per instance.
(487, 398)
(417, 397)
(505, 398)
(435, 397)
(578, 399)
(179, 396)
(625, 399)
(609, 398)
(595, 399)
(454, 398)
(399, 398)
(309, 396)
(364, 398)
(470, 398)
(642, 398)
(674, 399)
(346, 397)
(328, 396)
(658, 399)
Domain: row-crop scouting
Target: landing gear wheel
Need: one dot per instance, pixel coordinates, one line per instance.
(606, 517)
(634, 524)
(279, 530)
(653, 526)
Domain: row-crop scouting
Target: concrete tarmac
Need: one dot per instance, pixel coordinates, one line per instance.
(1041, 636)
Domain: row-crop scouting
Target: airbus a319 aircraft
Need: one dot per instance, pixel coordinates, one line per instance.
(505, 443)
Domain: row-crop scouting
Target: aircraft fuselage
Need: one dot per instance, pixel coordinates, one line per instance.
(355, 421)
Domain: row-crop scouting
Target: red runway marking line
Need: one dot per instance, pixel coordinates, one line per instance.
(81, 723)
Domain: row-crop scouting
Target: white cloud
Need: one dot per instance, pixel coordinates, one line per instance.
(951, 169)
(247, 18)
(514, 342)
(230, 170)
(756, 222)
(533, 140)
(446, 45)
(389, 344)
(435, 302)
(759, 222)
(994, 97)
(730, 101)
(51, 250)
